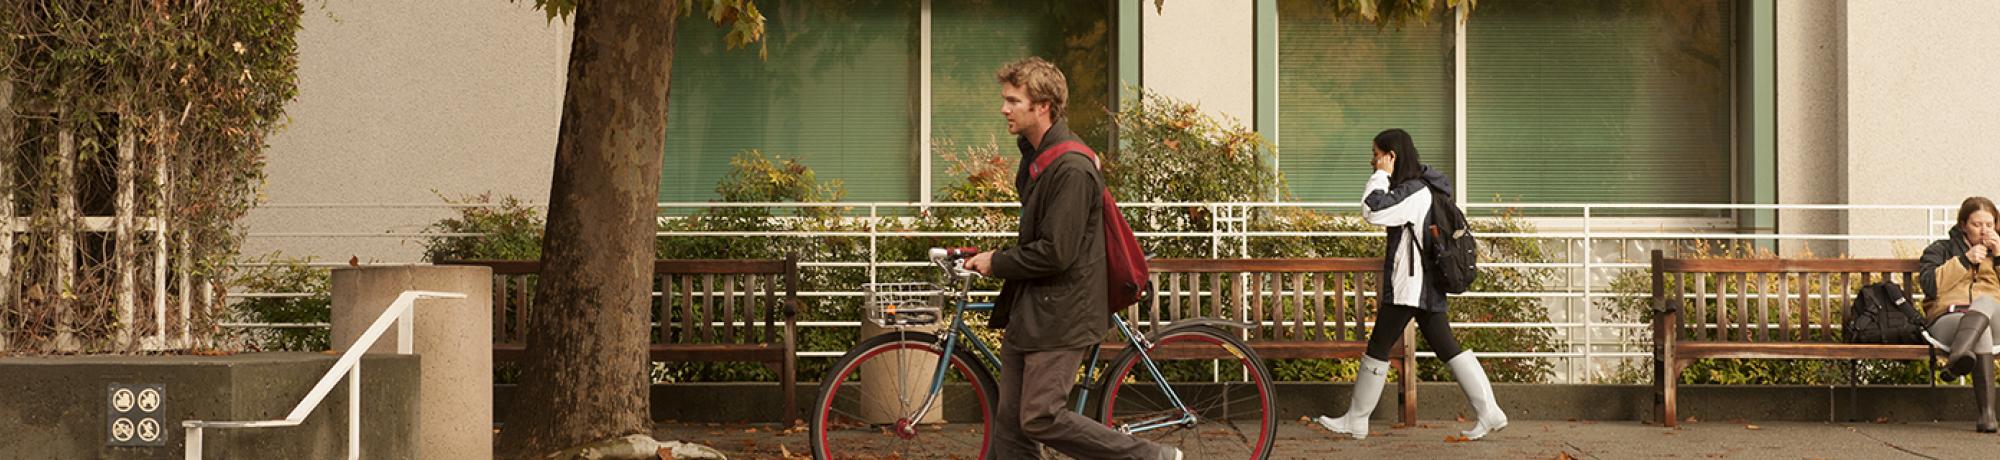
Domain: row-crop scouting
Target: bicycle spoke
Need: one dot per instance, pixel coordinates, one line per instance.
(843, 428)
(1232, 413)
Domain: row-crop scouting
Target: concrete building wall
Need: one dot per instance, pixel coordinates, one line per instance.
(401, 101)
(1922, 117)
(1811, 150)
(1202, 51)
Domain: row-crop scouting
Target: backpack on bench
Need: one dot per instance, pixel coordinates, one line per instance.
(1883, 313)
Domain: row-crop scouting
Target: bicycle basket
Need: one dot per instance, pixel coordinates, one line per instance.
(902, 304)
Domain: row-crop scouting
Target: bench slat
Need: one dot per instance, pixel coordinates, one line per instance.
(1785, 307)
(522, 299)
(1763, 306)
(1284, 349)
(1743, 307)
(689, 331)
(1702, 331)
(767, 353)
(1264, 265)
(1319, 305)
(1215, 292)
(499, 309)
(1254, 288)
(772, 308)
(663, 307)
(1788, 265)
(1776, 350)
(1299, 307)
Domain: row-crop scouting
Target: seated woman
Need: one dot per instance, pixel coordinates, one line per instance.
(1964, 291)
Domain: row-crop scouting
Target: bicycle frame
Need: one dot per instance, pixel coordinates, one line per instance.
(951, 337)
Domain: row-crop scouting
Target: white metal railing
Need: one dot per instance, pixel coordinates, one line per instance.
(1582, 279)
(400, 312)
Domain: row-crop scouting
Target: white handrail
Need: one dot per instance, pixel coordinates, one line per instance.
(399, 312)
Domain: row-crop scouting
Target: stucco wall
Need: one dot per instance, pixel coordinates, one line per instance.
(1922, 117)
(1811, 158)
(400, 98)
(1202, 51)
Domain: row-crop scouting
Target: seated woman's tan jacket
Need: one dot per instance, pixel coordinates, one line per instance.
(1950, 278)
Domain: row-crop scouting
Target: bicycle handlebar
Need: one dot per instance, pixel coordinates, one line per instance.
(952, 260)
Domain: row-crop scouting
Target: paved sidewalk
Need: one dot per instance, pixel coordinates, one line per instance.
(1523, 439)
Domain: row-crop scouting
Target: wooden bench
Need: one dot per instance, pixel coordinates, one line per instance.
(702, 310)
(1286, 308)
(1761, 308)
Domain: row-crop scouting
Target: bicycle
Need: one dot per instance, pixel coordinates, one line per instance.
(1227, 414)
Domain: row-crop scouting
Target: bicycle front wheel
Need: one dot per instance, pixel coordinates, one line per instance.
(868, 402)
(1214, 375)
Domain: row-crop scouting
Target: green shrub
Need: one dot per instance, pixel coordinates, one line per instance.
(276, 274)
(512, 230)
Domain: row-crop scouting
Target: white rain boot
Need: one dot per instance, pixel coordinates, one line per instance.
(1367, 391)
(1478, 391)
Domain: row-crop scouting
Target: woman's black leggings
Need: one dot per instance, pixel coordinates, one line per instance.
(1389, 324)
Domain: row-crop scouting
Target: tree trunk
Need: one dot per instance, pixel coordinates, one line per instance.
(585, 377)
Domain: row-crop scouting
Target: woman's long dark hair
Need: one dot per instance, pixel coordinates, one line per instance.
(1408, 165)
(1971, 205)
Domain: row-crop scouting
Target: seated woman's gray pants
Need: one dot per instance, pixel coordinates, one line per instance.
(1946, 327)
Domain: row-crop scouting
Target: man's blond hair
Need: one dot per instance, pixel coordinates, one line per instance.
(1042, 81)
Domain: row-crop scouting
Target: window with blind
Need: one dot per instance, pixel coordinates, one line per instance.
(1603, 101)
(1340, 83)
(971, 39)
(838, 92)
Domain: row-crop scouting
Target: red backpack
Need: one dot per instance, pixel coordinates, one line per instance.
(1125, 262)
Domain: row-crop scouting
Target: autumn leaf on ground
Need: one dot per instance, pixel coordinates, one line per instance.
(1692, 420)
(1564, 456)
(1456, 438)
(1881, 420)
(1752, 427)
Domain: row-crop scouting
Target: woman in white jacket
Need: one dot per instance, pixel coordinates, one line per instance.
(1398, 196)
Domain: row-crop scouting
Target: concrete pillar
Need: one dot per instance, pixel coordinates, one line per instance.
(454, 343)
(879, 375)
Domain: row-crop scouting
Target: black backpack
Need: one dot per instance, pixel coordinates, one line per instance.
(1454, 254)
(1883, 313)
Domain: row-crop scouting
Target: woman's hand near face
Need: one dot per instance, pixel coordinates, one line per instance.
(1386, 163)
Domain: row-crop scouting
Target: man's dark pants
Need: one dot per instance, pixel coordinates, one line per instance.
(1034, 392)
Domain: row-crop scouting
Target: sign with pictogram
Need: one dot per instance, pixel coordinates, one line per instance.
(135, 417)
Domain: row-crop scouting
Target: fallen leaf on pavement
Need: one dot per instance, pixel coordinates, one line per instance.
(1692, 420)
(1752, 427)
(1881, 420)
